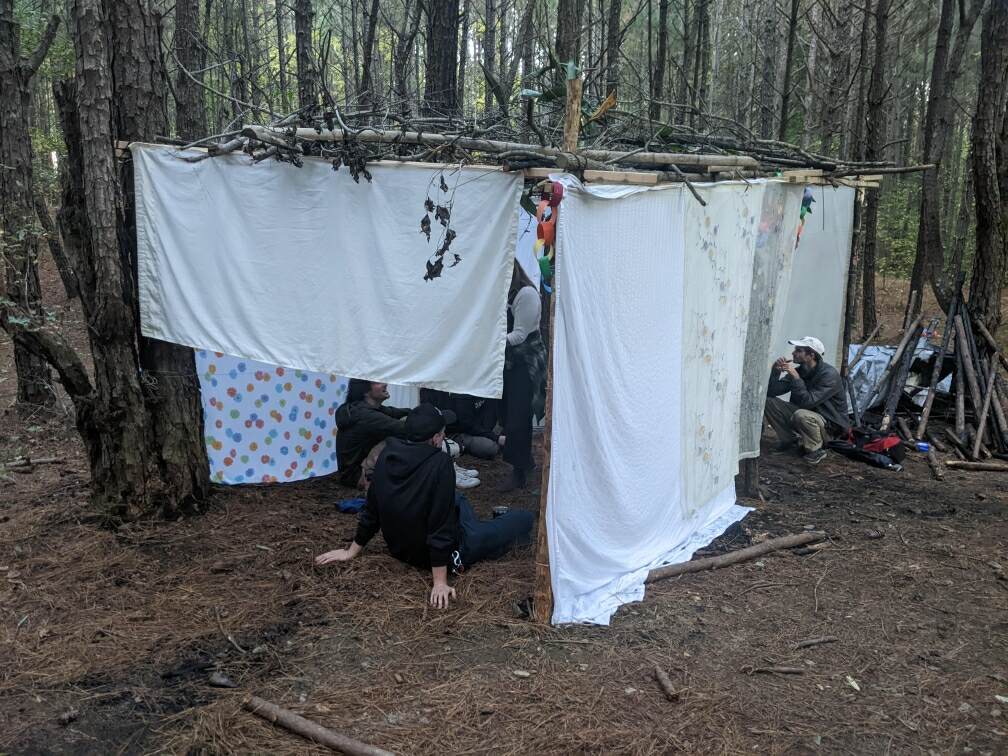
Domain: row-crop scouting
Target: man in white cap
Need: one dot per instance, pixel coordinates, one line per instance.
(817, 408)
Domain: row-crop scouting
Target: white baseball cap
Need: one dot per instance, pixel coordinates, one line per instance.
(809, 342)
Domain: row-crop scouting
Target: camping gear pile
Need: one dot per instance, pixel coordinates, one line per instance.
(893, 419)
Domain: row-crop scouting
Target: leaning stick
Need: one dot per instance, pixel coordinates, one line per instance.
(310, 730)
(908, 334)
(863, 347)
(955, 464)
(991, 373)
(935, 464)
(991, 343)
(734, 557)
(962, 346)
(936, 370)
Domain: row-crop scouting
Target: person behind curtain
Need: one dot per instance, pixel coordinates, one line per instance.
(363, 422)
(524, 377)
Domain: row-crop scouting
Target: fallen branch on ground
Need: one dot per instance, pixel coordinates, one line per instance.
(666, 684)
(308, 729)
(29, 462)
(816, 641)
(978, 466)
(735, 557)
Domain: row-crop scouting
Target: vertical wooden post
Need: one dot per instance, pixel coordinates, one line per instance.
(542, 601)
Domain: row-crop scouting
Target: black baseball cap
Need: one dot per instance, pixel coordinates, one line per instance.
(425, 420)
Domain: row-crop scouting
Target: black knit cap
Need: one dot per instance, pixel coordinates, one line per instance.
(425, 420)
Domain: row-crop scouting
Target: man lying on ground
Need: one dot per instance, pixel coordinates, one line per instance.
(412, 500)
(362, 422)
(475, 419)
(817, 408)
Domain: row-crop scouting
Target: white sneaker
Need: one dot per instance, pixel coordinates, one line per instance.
(452, 448)
(466, 472)
(464, 481)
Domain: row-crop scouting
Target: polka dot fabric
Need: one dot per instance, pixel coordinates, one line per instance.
(267, 424)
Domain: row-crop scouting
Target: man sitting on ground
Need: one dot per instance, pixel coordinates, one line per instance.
(362, 423)
(817, 408)
(412, 500)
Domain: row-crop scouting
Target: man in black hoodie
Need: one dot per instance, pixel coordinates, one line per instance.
(362, 423)
(412, 501)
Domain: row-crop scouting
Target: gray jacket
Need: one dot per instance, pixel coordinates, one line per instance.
(819, 389)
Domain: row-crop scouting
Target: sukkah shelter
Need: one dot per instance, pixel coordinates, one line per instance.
(670, 299)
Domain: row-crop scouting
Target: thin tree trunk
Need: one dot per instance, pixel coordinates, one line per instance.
(810, 80)
(788, 66)
(703, 65)
(19, 238)
(190, 107)
(613, 46)
(304, 18)
(989, 169)
(489, 51)
(282, 55)
(686, 94)
(568, 33)
(874, 141)
(367, 84)
(658, 83)
(463, 56)
(404, 51)
(768, 83)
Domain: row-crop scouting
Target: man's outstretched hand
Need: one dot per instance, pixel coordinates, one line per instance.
(336, 555)
(440, 594)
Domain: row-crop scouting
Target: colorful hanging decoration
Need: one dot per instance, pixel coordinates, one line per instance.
(806, 209)
(547, 215)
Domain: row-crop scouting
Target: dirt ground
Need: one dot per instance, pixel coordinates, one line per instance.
(108, 639)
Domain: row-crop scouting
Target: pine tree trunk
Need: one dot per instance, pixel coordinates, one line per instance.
(304, 17)
(613, 45)
(190, 107)
(768, 76)
(489, 50)
(464, 52)
(367, 78)
(661, 55)
(404, 50)
(440, 87)
(115, 428)
(990, 169)
(686, 95)
(949, 52)
(788, 66)
(282, 55)
(170, 385)
(20, 231)
(875, 137)
(568, 40)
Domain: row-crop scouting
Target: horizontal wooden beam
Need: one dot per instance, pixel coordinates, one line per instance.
(281, 136)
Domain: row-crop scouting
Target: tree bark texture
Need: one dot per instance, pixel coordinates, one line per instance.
(489, 50)
(367, 75)
(404, 49)
(304, 19)
(190, 107)
(568, 34)
(114, 427)
(170, 385)
(661, 58)
(440, 90)
(613, 45)
(875, 137)
(990, 168)
(768, 74)
(788, 67)
(20, 229)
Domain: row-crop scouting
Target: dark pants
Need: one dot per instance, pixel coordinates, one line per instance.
(518, 415)
(490, 539)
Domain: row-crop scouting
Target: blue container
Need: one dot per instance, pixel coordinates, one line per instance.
(923, 446)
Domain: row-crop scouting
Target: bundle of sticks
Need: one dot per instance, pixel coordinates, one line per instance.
(979, 437)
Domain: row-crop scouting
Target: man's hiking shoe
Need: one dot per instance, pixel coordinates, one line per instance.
(815, 457)
(785, 446)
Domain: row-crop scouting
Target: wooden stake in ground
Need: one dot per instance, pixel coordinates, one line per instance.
(896, 358)
(542, 601)
(735, 557)
(310, 730)
(939, 362)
